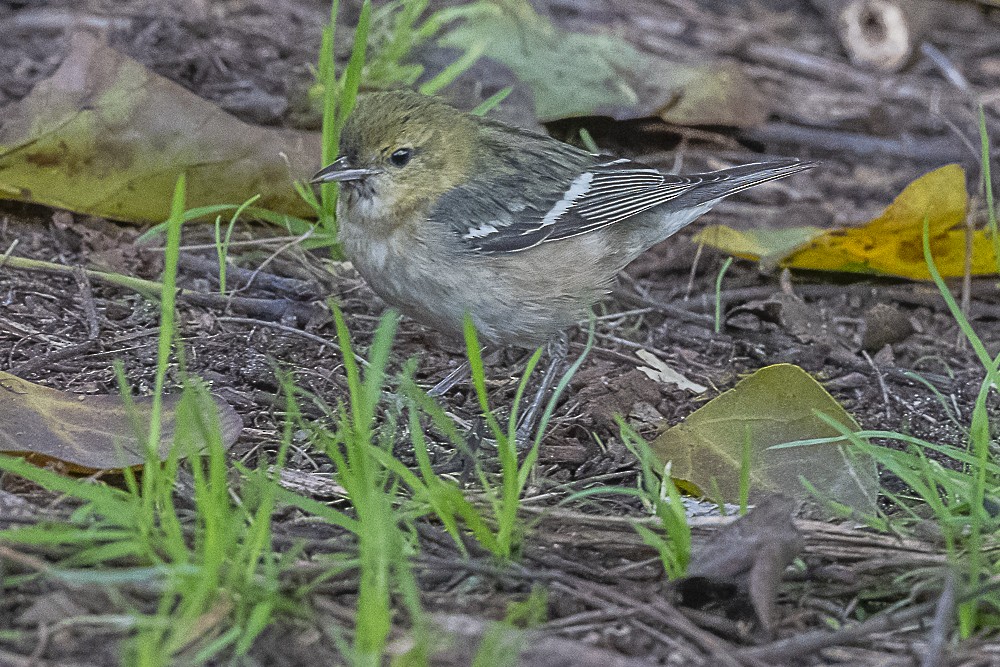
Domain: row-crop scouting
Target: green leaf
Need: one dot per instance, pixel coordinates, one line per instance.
(776, 405)
(107, 137)
(576, 74)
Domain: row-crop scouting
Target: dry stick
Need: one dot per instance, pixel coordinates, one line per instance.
(534, 649)
(930, 298)
(602, 596)
(329, 342)
(292, 287)
(89, 307)
(675, 645)
(145, 287)
(808, 643)
(9, 659)
(944, 620)
(881, 383)
(948, 69)
(24, 560)
(276, 309)
(672, 309)
(68, 352)
(598, 596)
(921, 149)
(253, 274)
(809, 64)
(694, 270)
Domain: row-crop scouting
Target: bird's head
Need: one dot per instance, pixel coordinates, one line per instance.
(399, 152)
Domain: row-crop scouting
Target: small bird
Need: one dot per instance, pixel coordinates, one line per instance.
(445, 214)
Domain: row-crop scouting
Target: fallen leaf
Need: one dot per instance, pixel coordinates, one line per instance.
(757, 244)
(890, 245)
(718, 93)
(84, 434)
(575, 74)
(745, 561)
(107, 137)
(775, 405)
(657, 371)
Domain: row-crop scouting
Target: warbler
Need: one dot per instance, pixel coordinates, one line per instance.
(445, 214)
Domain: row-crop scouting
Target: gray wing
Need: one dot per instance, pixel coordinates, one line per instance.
(498, 217)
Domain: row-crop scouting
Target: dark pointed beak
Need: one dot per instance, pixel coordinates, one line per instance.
(341, 171)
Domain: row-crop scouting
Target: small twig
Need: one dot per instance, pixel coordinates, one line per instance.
(944, 619)
(694, 271)
(290, 330)
(293, 287)
(147, 288)
(881, 383)
(43, 643)
(809, 643)
(276, 309)
(675, 311)
(935, 110)
(24, 560)
(947, 68)
(270, 258)
(319, 340)
(231, 245)
(89, 306)
(49, 20)
(914, 411)
(922, 148)
(659, 610)
(38, 363)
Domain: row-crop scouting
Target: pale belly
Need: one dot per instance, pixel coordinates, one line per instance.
(523, 298)
(512, 299)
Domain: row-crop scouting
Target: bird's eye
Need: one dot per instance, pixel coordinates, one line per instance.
(401, 157)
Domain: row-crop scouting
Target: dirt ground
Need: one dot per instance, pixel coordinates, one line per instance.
(873, 133)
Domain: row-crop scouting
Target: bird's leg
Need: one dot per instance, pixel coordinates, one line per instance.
(557, 350)
(460, 375)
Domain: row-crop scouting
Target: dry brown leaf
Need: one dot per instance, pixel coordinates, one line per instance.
(85, 434)
(746, 560)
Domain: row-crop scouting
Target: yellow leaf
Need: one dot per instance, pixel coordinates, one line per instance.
(757, 244)
(892, 244)
(776, 405)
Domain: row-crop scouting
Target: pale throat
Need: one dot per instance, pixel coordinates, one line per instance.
(379, 209)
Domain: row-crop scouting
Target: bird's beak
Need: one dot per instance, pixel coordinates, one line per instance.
(341, 171)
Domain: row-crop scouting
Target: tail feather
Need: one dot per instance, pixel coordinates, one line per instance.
(725, 182)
